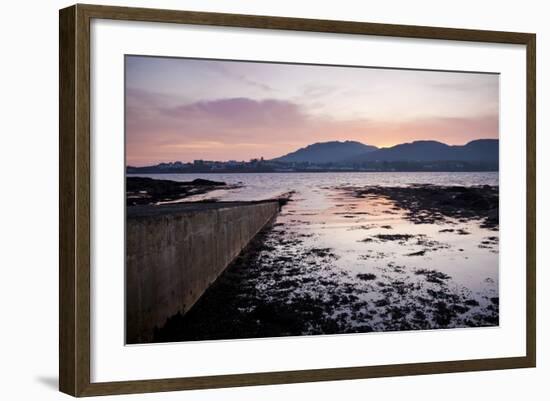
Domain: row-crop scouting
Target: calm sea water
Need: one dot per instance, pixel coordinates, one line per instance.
(324, 216)
(267, 185)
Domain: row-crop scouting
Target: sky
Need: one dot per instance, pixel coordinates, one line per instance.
(181, 109)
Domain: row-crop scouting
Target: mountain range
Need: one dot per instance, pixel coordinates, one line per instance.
(327, 152)
(478, 155)
(481, 150)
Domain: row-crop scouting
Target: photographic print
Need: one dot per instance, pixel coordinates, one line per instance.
(275, 199)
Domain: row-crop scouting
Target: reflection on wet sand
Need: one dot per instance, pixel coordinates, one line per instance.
(347, 259)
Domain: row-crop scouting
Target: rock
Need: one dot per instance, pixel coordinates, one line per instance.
(203, 183)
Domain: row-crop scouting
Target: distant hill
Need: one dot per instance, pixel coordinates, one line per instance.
(327, 152)
(478, 155)
(481, 150)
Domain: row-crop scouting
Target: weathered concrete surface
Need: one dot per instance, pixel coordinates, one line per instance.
(175, 252)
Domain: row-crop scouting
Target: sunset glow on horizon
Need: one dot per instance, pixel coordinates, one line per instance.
(187, 109)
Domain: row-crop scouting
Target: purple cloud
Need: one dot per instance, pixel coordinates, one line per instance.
(239, 112)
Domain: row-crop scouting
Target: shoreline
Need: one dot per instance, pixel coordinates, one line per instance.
(311, 171)
(286, 283)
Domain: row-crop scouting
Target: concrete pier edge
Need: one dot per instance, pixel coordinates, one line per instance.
(175, 252)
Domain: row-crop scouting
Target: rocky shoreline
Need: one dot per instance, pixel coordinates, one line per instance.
(146, 191)
(286, 284)
(426, 203)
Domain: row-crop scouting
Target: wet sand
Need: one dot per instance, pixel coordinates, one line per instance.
(348, 259)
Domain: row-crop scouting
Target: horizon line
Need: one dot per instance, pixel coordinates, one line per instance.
(305, 146)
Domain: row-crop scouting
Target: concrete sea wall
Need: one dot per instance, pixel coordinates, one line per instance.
(174, 253)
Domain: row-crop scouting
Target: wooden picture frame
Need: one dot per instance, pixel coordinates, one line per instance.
(74, 204)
